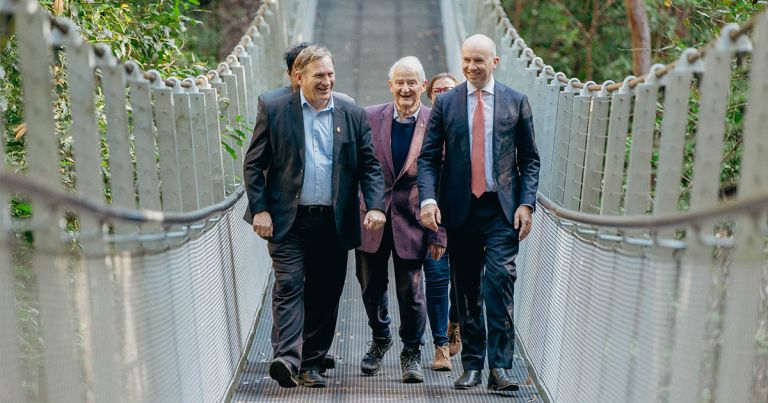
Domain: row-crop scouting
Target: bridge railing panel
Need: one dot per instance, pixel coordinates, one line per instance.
(655, 293)
(561, 147)
(745, 317)
(597, 135)
(229, 164)
(577, 147)
(11, 371)
(618, 130)
(148, 289)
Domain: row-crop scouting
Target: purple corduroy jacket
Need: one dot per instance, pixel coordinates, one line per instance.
(401, 194)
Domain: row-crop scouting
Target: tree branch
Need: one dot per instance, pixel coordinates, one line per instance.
(570, 14)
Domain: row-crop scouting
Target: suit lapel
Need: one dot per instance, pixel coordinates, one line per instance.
(298, 124)
(498, 100)
(461, 117)
(418, 138)
(340, 133)
(384, 143)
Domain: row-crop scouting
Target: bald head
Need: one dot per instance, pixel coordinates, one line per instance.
(480, 41)
(478, 60)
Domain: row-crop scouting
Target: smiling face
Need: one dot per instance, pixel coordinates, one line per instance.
(316, 82)
(406, 89)
(478, 60)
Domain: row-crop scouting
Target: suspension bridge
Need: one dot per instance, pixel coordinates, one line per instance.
(625, 293)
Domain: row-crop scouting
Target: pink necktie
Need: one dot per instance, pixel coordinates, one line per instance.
(478, 147)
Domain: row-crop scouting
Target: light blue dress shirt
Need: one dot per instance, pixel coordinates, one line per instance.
(317, 188)
(488, 99)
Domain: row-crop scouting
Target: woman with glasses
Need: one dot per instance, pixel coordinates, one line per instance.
(440, 83)
(443, 322)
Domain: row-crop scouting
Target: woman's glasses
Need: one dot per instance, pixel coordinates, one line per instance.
(438, 90)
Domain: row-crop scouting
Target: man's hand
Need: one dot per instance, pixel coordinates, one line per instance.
(436, 251)
(523, 221)
(374, 219)
(430, 216)
(262, 224)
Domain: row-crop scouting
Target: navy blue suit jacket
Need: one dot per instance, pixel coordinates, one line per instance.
(515, 157)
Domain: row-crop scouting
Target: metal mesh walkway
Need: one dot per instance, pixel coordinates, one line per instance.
(346, 383)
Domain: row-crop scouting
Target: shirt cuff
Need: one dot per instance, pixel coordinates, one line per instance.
(428, 201)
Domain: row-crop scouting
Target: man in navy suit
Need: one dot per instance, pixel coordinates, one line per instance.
(484, 194)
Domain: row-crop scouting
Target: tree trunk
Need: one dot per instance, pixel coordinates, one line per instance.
(517, 13)
(641, 36)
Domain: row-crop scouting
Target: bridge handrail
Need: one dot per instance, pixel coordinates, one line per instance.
(102, 212)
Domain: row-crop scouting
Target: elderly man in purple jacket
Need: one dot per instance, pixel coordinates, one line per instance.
(397, 131)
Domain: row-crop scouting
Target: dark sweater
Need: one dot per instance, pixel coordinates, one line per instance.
(402, 133)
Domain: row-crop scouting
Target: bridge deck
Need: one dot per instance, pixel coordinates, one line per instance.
(346, 383)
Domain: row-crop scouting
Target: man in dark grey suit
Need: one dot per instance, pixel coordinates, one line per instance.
(486, 190)
(290, 57)
(310, 153)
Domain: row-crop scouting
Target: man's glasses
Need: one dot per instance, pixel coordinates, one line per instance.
(441, 90)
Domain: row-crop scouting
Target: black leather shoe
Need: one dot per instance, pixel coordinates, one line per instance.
(499, 379)
(410, 363)
(371, 362)
(329, 362)
(311, 378)
(281, 371)
(469, 379)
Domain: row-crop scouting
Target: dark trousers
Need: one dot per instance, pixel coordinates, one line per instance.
(483, 252)
(437, 275)
(453, 314)
(310, 266)
(372, 273)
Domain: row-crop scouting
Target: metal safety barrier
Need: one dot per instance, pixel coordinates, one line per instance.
(148, 293)
(622, 294)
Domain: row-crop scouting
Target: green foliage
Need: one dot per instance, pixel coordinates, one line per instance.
(237, 132)
(559, 32)
(152, 33)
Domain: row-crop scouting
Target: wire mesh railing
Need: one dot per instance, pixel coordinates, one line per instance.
(638, 284)
(146, 290)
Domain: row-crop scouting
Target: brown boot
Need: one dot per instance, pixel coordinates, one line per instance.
(442, 361)
(454, 338)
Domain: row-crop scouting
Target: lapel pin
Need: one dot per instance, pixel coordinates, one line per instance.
(338, 129)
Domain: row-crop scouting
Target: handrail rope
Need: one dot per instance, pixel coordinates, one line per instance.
(659, 72)
(752, 205)
(152, 76)
(26, 185)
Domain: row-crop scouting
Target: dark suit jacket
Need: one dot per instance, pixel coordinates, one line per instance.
(515, 157)
(274, 166)
(401, 198)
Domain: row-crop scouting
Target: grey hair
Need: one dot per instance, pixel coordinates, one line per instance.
(411, 62)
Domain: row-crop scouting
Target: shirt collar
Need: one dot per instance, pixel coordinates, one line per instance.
(304, 102)
(408, 119)
(488, 87)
